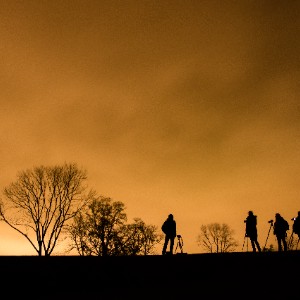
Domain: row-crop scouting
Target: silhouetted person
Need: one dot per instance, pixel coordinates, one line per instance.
(296, 225)
(251, 230)
(280, 228)
(169, 229)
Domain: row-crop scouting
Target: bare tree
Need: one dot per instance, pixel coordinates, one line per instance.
(216, 238)
(138, 238)
(42, 200)
(271, 248)
(292, 241)
(94, 230)
(101, 230)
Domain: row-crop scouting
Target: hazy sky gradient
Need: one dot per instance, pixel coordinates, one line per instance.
(183, 107)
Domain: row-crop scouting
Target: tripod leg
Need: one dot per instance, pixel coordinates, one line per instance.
(244, 242)
(180, 246)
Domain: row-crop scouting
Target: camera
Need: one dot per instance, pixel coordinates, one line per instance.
(179, 236)
(293, 219)
(245, 221)
(271, 221)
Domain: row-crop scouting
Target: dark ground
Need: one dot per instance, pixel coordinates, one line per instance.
(245, 275)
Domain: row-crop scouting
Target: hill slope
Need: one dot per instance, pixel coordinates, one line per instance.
(193, 276)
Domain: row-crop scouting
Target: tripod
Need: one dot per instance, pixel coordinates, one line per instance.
(291, 239)
(291, 243)
(179, 243)
(271, 225)
(245, 237)
(245, 221)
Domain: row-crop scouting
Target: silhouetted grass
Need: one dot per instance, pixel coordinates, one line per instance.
(242, 275)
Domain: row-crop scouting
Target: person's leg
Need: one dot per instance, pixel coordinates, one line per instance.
(171, 244)
(284, 244)
(279, 243)
(253, 245)
(165, 245)
(258, 246)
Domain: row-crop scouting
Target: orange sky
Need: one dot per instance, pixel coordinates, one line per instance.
(183, 107)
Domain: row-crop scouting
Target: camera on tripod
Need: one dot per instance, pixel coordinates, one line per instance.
(179, 245)
(293, 219)
(271, 222)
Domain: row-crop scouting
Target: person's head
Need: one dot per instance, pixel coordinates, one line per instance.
(250, 213)
(170, 216)
(277, 216)
(299, 213)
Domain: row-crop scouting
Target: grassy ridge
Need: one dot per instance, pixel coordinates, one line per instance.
(193, 276)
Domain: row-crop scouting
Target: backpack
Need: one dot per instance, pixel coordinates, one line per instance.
(164, 227)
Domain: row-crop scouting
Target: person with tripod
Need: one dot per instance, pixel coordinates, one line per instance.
(296, 226)
(251, 231)
(281, 226)
(169, 229)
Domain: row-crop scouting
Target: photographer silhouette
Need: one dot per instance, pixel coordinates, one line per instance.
(169, 229)
(280, 228)
(296, 229)
(251, 231)
(296, 225)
